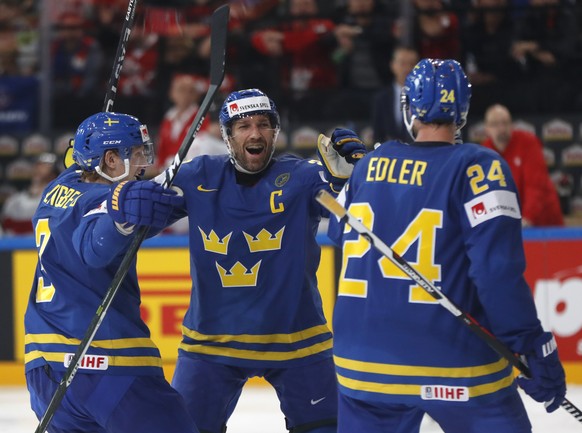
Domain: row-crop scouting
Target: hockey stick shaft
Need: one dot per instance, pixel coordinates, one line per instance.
(331, 204)
(119, 56)
(219, 27)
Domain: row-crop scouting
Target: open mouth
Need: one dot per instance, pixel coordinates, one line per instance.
(255, 149)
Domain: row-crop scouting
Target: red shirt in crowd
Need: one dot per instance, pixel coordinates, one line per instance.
(540, 204)
(173, 130)
(305, 43)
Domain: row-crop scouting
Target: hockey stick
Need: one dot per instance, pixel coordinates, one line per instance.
(330, 203)
(219, 28)
(119, 56)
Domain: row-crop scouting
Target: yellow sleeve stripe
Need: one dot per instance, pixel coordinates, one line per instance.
(258, 355)
(260, 339)
(122, 343)
(408, 370)
(403, 389)
(113, 361)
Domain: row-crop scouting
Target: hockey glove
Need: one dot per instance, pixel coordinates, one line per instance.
(348, 145)
(338, 157)
(142, 203)
(547, 382)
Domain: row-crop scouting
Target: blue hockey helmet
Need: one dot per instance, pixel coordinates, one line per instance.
(246, 103)
(109, 131)
(436, 91)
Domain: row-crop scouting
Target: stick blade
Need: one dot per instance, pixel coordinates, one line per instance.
(218, 34)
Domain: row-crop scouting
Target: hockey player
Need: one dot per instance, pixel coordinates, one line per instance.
(255, 308)
(452, 212)
(83, 225)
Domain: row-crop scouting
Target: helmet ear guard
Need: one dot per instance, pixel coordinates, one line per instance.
(436, 91)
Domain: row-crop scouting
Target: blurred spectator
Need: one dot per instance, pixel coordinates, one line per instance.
(387, 119)
(108, 16)
(436, 32)
(137, 82)
(490, 67)
(77, 58)
(251, 10)
(523, 151)
(303, 46)
(365, 40)
(184, 95)
(186, 51)
(207, 142)
(77, 85)
(19, 32)
(545, 46)
(564, 183)
(185, 92)
(18, 64)
(19, 208)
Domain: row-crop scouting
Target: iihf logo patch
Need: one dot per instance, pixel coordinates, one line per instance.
(444, 393)
(89, 362)
(479, 210)
(282, 179)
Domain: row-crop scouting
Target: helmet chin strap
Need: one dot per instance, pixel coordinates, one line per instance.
(117, 178)
(408, 121)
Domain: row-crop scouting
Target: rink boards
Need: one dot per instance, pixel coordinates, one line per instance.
(554, 272)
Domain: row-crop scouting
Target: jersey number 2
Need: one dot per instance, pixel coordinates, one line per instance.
(44, 289)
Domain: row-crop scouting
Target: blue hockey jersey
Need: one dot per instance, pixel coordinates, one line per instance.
(254, 258)
(452, 212)
(74, 271)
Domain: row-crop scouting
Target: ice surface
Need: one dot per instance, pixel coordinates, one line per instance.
(258, 412)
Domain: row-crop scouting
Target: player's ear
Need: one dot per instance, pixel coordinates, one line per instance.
(110, 158)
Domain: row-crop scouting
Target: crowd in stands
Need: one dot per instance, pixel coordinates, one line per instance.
(333, 62)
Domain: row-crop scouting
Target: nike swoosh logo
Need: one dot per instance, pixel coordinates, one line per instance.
(314, 402)
(202, 189)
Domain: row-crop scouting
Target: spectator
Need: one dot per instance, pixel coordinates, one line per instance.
(19, 32)
(304, 47)
(436, 32)
(545, 46)
(108, 16)
(77, 58)
(137, 83)
(365, 38)
(522, 150)
(19, 208)
(487, 55)
(184, 95)
(386, 113)
(77, 71)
